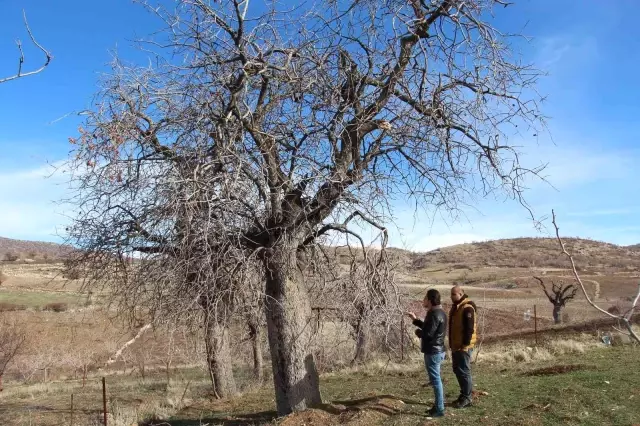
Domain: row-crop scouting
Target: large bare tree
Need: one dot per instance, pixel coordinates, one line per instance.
(278, 126)
(21, 72)
(559, 296)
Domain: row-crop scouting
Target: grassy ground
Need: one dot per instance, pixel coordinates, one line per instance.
(603, 388)
(600, 386)
(32, 299)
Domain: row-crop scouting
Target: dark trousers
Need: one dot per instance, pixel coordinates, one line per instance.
(462, 370)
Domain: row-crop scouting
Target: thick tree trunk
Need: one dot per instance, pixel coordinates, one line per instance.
(256, 342)
(288, 313)
(219, 357)
(557, 317)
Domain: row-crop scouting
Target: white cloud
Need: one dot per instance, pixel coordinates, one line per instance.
(565, 51)
(28, 201)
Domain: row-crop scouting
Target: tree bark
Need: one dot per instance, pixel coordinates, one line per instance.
(219, 357)
(288, 313)
(362, 337)
(256, 342)
(557, 317)
(362, 346)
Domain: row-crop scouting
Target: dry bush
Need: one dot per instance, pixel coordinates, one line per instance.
(11, 256)
(56, 307)
(11, 307)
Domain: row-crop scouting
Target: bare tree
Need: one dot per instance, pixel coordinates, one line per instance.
(11, 340)
(625, 317)
(560, 294)
(21, 72)
(260, 132)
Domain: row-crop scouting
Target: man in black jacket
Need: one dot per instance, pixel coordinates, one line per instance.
(431, 332)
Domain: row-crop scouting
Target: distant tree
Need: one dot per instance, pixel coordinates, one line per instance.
(559, 296)
(11, 340)
(11, 256)
(21, 72)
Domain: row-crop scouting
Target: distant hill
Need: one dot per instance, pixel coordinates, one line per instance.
(634, 247)
(532, 252)
(36, 250)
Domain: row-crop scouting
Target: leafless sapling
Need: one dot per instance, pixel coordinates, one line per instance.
(625, 318)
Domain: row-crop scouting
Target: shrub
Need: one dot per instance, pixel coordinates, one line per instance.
(56, 307)
(8, 307)
(11, 257)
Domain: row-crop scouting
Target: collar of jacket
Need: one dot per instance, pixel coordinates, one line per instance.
(464, 297)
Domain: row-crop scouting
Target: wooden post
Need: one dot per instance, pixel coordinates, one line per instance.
(535, 324)
(71, 410)
(104, 399)
(402, 338)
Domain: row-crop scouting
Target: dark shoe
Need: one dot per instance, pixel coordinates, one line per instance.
(432, 412)
(461, 403)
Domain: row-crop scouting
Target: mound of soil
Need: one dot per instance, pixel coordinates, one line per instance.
(557, 369)
(364, 412)
(311, 417)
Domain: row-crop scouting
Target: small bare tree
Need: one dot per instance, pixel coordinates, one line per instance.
(21, 72)
(11, 340)
(560, 294)
(625, 318)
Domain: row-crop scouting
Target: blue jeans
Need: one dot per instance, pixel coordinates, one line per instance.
(432, 364)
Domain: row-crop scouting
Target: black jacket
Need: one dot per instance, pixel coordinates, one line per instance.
(431, 331)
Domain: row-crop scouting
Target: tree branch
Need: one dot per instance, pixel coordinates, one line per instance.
(47, 54)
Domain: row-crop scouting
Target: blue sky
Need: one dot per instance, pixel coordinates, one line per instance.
(591, 50)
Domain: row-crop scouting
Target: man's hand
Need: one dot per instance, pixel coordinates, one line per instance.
(411, 315)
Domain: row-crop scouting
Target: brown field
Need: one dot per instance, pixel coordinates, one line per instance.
(164, 369)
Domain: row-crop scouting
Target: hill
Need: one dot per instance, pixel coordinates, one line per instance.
(530, 252)
(9, 248)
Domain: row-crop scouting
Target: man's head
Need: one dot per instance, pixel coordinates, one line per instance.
(431, 299)
(456, 293)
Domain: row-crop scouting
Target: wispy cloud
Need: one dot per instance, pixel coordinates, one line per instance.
(606, 212)
(559, 50)
(29, 202)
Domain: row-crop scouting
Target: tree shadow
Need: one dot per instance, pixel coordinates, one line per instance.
(263, 417)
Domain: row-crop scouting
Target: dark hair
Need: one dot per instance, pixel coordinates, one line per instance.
(433, 296)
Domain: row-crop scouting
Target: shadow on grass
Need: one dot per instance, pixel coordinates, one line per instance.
(263, 417)
(372, 403)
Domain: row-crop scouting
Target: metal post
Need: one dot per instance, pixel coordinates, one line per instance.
(535, 323)
(402, 338)
(104, 399)
(71, 409)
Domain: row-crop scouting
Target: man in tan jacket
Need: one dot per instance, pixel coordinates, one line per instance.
(462, 339)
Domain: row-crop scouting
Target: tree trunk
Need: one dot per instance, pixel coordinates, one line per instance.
(557, 317)
(288, 313)
(219, 357)
(362, 346)
(362, 337)
(256, 341)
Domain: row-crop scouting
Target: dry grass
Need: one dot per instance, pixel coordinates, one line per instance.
(521, 352)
